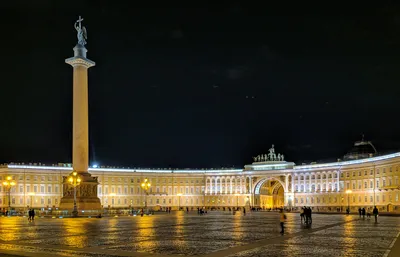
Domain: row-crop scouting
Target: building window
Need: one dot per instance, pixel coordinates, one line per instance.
(377, 183)
(365, 184)
(48, 189)
(359, 173)
(371, 199)
(49, 201)
(371, 184)
(365, 198)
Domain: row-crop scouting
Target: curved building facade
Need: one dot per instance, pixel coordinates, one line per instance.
(268, 182)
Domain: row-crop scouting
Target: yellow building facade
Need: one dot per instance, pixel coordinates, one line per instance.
(263, 184)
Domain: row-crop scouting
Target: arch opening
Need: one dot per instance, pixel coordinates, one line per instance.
(270, 194)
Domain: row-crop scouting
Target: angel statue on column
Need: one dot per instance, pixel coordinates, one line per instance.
(82, 34)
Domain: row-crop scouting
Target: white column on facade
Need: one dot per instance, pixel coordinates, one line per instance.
(321, 180)
(327, 181)
(310, 185)
(231, 189)
(221, 183)
(235, 184)
(241, 188)
(338, 181)
(216, 184)
(292, 183)
(298, 184)
(304, 182)
(211, 185)
(286, 183)
(206, 189)
(251, 185)
(226, 185)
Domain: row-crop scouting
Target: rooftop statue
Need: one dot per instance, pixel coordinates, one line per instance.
(81, 32)
(271, 156)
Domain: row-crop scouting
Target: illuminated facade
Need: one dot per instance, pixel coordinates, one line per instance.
(264, 183)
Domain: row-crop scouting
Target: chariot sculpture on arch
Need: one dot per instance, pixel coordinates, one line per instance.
(81, 32)
(270, 157)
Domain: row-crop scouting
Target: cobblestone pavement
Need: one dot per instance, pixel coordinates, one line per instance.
(213, 235)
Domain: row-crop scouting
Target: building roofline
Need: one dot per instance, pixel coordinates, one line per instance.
(298, 167)
(346, 163)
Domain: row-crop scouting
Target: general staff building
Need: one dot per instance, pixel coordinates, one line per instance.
(362, 179)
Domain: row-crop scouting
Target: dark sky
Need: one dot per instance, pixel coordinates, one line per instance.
(193, 84)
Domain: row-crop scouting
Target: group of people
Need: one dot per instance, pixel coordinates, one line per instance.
(31, 215)
(306, 215)
(362, 213)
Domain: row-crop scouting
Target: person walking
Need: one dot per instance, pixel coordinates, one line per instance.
(359, 212)
(33, 215)
(302, 215)
(376, 213)
(282, 220)
(29, 214)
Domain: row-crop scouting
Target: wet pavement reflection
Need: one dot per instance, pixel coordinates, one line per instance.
(214, 234)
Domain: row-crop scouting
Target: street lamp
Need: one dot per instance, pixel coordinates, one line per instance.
(146, 186)
(31, 194)
(112, 200)
(237, 201)
(75, 181)
(179, 201)
(8, 184)
(348, 192)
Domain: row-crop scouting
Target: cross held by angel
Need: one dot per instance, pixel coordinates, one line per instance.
(81, 32)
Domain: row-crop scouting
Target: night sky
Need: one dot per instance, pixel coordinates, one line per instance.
(197, 85)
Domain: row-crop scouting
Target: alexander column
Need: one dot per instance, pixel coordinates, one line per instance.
(80, 188)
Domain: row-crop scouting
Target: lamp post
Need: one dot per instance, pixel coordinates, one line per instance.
(8, 184)
(348, 192)
(31, 194)
(112, 200)
(74, 180)
(146, 186)
(237, 201)
(179, 201)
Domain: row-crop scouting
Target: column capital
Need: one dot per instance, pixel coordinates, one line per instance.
(80, 61)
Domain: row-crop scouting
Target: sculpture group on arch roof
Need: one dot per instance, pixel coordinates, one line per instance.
(270, 157)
